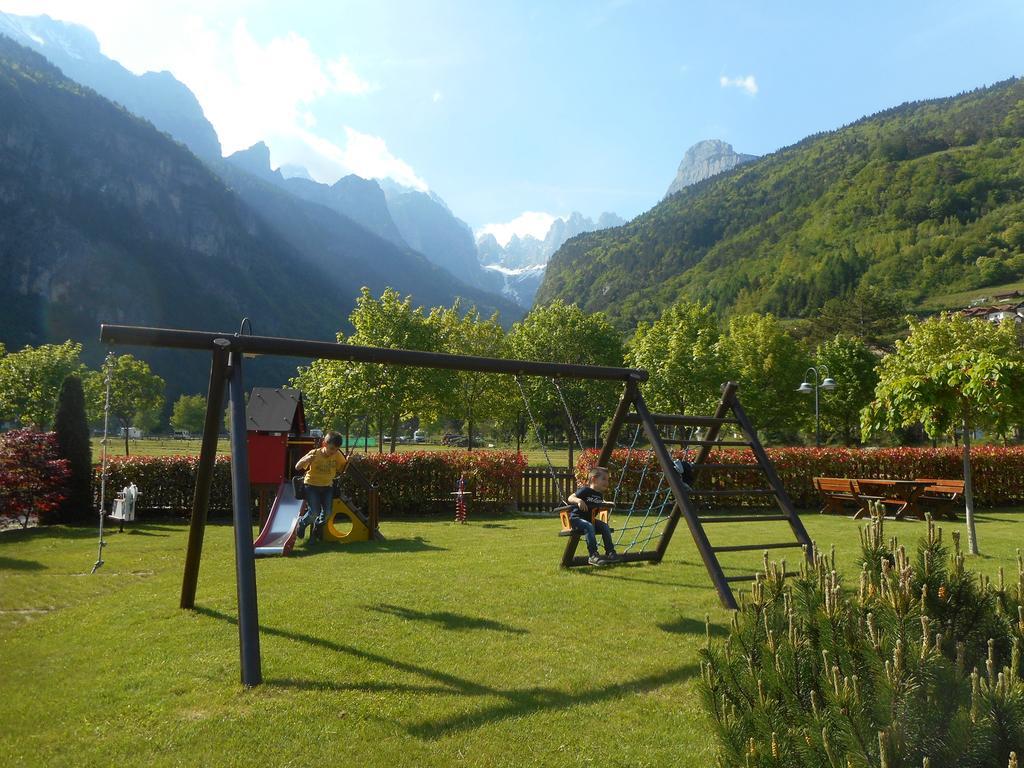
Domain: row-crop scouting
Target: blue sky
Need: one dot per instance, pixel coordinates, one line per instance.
(548, 107)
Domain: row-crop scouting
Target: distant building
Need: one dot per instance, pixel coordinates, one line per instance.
(1010, 308)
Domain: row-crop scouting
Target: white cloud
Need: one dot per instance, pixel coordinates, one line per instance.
(252, 91)
(437, 96)
(345, 78)
(748, 83)
(534, 223)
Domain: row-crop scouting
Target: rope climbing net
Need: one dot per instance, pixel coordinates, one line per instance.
(643, 500)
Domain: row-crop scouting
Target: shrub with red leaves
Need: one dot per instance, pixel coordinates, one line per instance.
(33, 477)
(998, 471)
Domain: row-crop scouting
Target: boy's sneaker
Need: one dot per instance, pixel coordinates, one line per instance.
(301, 531)
(595, 560)
(611, 557)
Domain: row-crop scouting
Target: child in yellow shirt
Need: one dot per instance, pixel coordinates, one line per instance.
(321, 466)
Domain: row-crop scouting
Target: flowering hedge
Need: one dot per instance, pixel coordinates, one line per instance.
(418, 482)
(33, 477)
(998, 472)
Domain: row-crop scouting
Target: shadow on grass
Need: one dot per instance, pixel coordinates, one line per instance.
(140, 532)
(498, 525)
(14, 564)
(687, 626)
(623, 573)
(522, 702)
(61, 532)
(446, 619)
(365, 687)
(417, 544)
(451, 683)
(516, 702)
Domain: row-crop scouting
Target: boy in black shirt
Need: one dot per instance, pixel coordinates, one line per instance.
(580, 520)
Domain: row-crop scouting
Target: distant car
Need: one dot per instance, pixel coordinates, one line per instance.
(404, 439)
(453, 438)
(316, 433)
(183, 434)
(419, 436)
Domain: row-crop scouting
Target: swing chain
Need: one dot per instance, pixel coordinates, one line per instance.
(108, 365)
(536, 432)
(568, 415)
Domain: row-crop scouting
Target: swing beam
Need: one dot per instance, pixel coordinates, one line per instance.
(227, 351)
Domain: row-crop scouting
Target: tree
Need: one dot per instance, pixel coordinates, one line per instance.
(331, 393)
(564, 333)
(395, 390)
(73, 445)
(952, 373)
(31, 378)
(136, 393)
(474, 395)
(680, 352)
(189, 413)
(869, 312)
(769, 365)
(852, 364)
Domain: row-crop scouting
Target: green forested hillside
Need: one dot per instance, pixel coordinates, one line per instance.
(923, 199)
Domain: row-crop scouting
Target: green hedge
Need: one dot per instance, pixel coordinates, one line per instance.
(410, 483)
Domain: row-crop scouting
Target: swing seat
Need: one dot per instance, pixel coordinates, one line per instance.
(563, 514)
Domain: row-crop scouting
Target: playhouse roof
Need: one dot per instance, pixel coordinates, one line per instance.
(275, 410)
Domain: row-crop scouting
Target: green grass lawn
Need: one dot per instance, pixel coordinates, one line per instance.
(445, 645)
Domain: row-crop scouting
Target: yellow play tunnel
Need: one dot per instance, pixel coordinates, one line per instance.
(358, 530)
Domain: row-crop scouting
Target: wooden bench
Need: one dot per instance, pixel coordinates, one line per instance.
(943, 495)
(836, 492)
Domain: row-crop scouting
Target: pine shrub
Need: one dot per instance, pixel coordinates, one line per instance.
(919, 665)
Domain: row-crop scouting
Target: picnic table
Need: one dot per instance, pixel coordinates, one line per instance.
(903, 495)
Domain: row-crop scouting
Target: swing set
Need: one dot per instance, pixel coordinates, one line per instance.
(651, 515)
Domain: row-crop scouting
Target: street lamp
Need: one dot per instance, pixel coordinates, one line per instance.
(827, 383)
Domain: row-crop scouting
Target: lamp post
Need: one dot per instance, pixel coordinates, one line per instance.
(827, 383)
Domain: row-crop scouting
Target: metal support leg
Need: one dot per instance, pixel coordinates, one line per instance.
(245, 561)
(204, 477)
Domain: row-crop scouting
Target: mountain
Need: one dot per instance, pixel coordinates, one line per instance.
(106, 219)
(156, 96)
(350, 253)
(519, 265)
(428, 226)
(706, 159)
(291, 171)
(921, 199)
(360, 200)
(519, 284)
(359, 204)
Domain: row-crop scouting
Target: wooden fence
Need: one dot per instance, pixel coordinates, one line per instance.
(540, 492)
